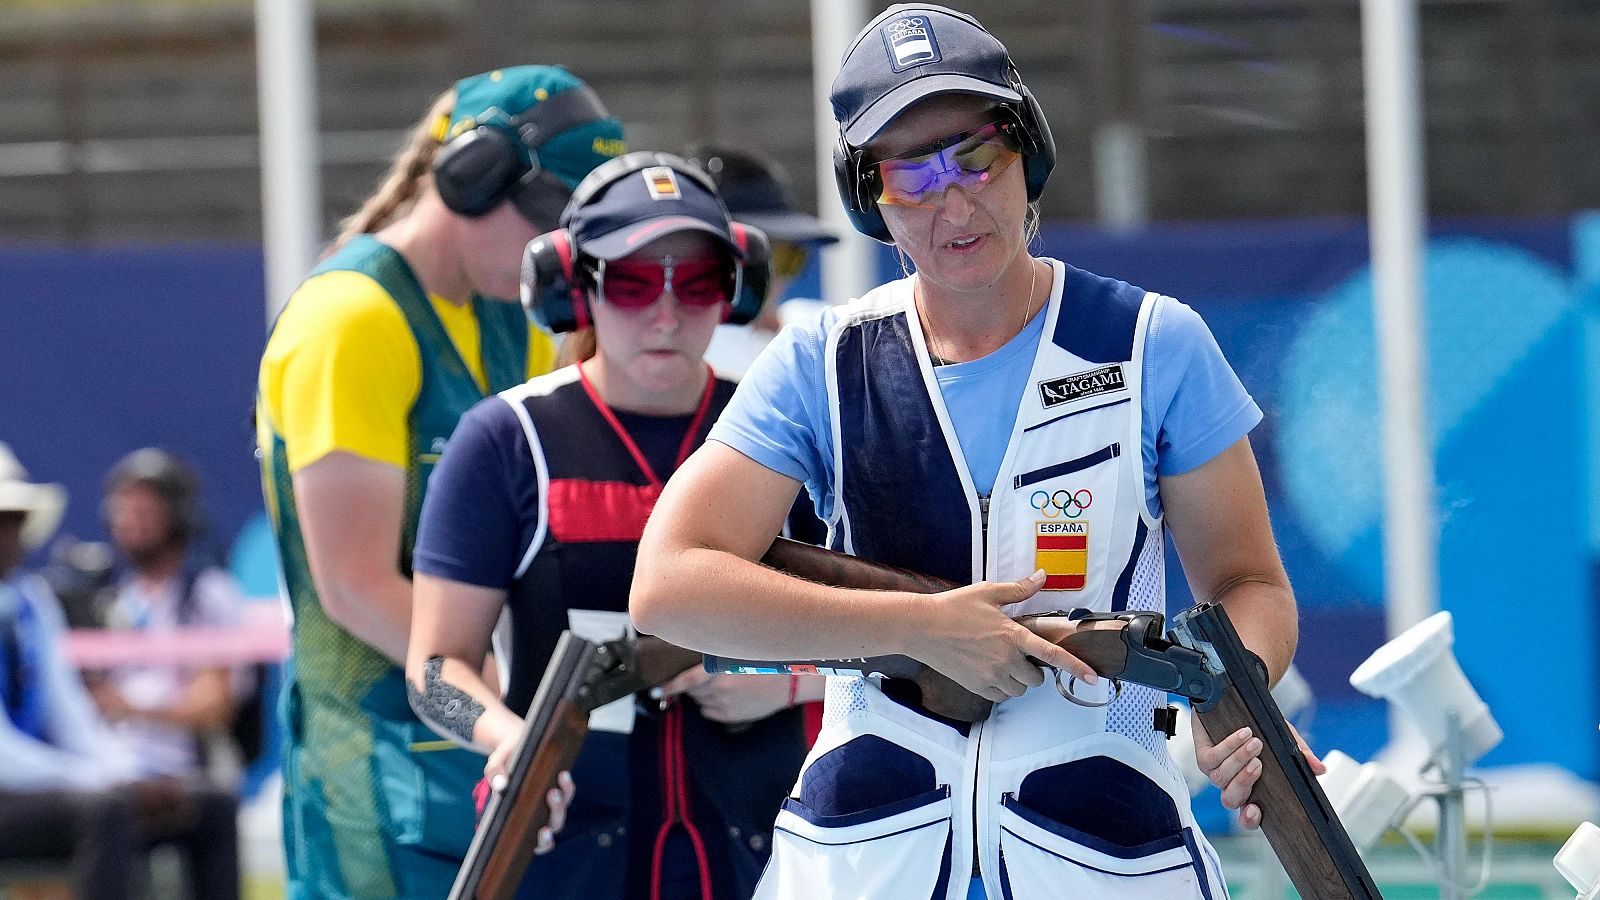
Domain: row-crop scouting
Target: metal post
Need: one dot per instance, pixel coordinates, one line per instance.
(291, 182)
(1395, 211)
(849, 267)
(1450, 845)
(1120, 164)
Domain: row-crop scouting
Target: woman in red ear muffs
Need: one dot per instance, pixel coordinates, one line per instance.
(536, 508)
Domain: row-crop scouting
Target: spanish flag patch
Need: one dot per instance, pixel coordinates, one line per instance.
(662, 182)
(1061, 549)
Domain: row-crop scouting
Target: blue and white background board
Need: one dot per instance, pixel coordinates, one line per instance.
(107, 349)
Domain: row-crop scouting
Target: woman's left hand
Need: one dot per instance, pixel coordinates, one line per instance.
(1234, 764)
(730, 699)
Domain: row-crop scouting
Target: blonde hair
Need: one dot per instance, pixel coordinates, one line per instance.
(407, 176)
(577, 347)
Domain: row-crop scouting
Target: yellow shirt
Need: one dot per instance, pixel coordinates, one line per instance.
(342, 370)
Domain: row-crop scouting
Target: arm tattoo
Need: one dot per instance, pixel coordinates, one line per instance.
(443, 705)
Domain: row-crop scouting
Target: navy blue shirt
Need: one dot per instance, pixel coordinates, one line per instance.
(482, 507)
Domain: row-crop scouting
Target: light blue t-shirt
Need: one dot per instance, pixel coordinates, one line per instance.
(1194, 405)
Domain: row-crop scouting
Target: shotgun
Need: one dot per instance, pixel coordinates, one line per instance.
(1202, 659)
(580, 678)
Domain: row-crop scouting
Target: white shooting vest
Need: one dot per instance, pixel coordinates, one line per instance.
(1049, 799)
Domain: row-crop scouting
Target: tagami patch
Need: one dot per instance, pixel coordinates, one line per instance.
(1104, 380)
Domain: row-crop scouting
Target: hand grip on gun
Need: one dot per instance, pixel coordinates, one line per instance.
(964, 634)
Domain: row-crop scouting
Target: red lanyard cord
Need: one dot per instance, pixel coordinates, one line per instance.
(675, 806)
(627, 439)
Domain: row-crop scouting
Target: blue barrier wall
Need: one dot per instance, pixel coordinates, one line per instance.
(108, 349)
(104, 350)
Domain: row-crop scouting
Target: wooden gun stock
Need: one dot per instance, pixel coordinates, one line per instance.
(552, 734)
(579, 678)
(1296, 817)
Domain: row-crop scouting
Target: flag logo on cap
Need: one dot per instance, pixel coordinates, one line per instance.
(910, 42)
(662, 183)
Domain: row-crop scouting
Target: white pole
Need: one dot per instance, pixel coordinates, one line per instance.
(1121, 177)
(291, 183)
(848, 268)
(1395, 190)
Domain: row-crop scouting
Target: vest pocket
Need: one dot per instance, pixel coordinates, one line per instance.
(1089, 460)
(895, 850)
(1041, 858)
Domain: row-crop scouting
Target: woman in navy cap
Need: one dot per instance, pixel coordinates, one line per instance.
(537, 506)
(1007, 422)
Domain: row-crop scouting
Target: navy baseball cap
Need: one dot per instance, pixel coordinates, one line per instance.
(911, 52)
(657, 194)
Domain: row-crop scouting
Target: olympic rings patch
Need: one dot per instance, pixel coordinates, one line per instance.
(1062, 502)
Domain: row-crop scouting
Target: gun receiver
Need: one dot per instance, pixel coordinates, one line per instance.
(1123, 646)
(580, 677)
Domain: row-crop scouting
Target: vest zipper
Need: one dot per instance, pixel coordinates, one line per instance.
(977, 777)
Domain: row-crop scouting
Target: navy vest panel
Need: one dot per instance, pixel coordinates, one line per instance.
(737, 776)
(1098, 317)
(896, 468)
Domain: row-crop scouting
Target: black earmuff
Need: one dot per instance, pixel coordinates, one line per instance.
(498, 158)
(755, 274)
(853, 178)
(477, 169)
(1040, 158)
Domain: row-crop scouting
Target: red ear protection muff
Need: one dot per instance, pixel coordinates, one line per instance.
(552, 291)
(555, 289)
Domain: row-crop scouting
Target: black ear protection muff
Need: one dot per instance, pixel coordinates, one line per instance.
(172, 480)
(497, 159)
(555, 286)
(856, 177)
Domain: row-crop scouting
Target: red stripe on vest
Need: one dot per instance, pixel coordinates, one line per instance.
(1062, 542)
(592, 511)
(1064, 582)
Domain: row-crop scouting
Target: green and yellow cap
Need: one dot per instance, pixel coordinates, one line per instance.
(571, 136)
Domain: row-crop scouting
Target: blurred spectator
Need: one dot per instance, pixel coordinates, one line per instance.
(756, 192)
(67, 785)
(166, 713)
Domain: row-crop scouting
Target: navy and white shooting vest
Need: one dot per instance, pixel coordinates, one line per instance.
(716, 784)
(1046, 798)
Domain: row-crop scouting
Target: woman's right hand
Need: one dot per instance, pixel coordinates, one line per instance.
(967, 637)
(497, 771)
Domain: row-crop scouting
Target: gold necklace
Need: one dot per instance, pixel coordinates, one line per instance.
(933, 349)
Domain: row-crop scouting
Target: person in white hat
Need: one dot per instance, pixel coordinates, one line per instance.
(60, 762)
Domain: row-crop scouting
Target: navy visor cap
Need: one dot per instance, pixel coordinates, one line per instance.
(645, 205)
(909, 53)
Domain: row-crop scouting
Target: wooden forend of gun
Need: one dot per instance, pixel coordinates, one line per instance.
(580, 677)
(1202, 659)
